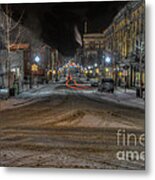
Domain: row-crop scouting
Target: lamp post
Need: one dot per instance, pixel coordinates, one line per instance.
(107, 62)
(37, 60)
(95, 70)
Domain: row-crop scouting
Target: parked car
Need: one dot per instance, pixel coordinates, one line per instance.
(94, 83)
(106, 85)
(4, 93)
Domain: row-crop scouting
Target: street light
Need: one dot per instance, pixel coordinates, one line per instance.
(106, 69)
(107, 59)
(90, 71)
(89, 67)
(37, 59)
(95, 65)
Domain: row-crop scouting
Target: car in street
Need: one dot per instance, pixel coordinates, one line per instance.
(106, 85)
(94, 83)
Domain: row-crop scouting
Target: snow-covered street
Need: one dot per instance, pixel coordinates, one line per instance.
(120, 96)
(72, 85)
(53, 126)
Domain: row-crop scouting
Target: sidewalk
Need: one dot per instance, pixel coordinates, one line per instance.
(120, 89)
(33, 88)
(20, 100)
(120, 96)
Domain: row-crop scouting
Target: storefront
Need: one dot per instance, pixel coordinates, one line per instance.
(130, 75)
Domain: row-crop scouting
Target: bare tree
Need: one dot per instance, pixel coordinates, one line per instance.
(11, 34)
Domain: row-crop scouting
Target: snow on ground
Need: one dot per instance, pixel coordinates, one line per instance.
(120, 96)
(68, 131)
(14, 103)
(127, 98)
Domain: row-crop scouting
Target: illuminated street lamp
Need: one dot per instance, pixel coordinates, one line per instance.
(107, 59)
(95, 65)
(106, 69)
(54, 72)
(90, 71)
(89, 67)
(97, 71)
(86, 71)
(37, 59)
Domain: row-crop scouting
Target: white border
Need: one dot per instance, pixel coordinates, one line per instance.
(43, 1)
(149, 173)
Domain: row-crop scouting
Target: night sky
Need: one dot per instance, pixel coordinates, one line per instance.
(54, 22)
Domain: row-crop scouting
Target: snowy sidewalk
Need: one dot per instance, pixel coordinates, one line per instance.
(33, 89)
(120, 96)
(20, 100)
(43, 91)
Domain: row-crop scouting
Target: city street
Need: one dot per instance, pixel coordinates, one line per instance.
(72, 85)
(63, 127)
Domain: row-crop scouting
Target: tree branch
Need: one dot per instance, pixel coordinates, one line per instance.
(17, 23)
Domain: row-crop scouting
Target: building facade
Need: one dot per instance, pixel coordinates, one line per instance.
(92, 47)
(125, 40)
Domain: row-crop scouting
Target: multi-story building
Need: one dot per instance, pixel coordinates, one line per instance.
(14, 62)
(92, 46)
(124, 39)
(93, 41)
(22, 56)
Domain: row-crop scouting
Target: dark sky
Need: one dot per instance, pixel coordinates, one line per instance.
(54, 22)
